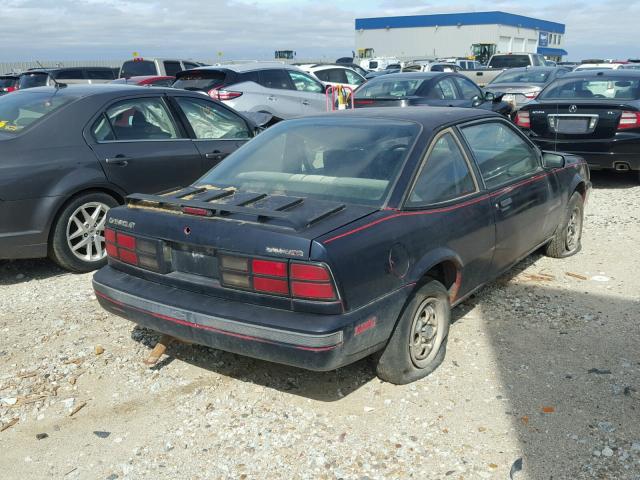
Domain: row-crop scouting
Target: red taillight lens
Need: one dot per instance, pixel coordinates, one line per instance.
(112, 250)
(266, 267)
(314, 273)
(363, 102)
(109, 235)
(202, 212)
(128, 256)
(126, 241)
(271, 285)
(523, 119)
(313, 291)
(223, 95)
(629, 120)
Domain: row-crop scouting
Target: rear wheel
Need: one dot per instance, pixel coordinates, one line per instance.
(567, 239)
(77, 241)
(419, 342)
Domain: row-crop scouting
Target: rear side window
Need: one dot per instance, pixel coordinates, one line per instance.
(304, 83)
(389, 88)
(276, 78)
(501, 153)
(212, 122)
(135, 68)
(445, 89)
(468, 89)
(200, 80)
(139, 119)
(353, 78)
(444, 176)
(172, 68)
(334, 75)
(99, 74)
(18, 111)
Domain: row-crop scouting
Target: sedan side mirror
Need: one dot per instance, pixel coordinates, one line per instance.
(477, 100)
(552, 160)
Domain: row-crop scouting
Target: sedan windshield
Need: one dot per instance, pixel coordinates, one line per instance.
(354, 160)
(19, 110)
(389, 88)
(529, 76)
(611, 88)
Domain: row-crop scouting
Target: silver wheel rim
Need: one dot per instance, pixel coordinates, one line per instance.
(574, 228)
(426, 336)
(85, 231)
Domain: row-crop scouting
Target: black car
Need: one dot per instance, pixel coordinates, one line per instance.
(67, 155)
(594, 114)
(329, 238)
(8, 83)
(437, 89)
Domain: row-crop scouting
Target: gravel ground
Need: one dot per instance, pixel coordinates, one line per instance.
(542, 372)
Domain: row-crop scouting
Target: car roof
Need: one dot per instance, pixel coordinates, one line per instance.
(86, 90)
(605, 72)
(535, 69)
(414, 75)
(429, 117)
(248, 67)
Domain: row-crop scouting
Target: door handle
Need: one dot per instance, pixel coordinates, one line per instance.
(503, 205)
(215, 155)
(118, 160)
(272, 98)
(305, 102)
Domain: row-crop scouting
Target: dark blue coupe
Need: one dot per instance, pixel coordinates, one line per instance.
(330, 238)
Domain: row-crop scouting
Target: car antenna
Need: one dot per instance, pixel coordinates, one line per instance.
(56, 84)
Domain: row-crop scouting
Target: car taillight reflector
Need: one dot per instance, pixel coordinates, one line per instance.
(112, 250)
(523, 119)
(202, 212)
(235, 280)
(223, 95)
(267, 267)
(271, 285)
(109, 235)
(128, 256)
(364, 102)
(629, 120)
(315, 273)
(126, 241)
(314, 291)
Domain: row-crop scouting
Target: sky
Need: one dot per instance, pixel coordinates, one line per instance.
(245, 29)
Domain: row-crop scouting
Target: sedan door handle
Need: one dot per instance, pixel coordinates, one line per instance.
(504, 204)
(118, 160)
(305, 102)
(215, 155)
(272, 98)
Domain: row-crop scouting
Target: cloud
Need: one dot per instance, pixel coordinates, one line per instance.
(110, 29)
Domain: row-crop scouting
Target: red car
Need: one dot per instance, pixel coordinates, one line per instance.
(148, 80)
(8, 83)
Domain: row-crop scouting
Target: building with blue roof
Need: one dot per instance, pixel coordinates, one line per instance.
(453, 34)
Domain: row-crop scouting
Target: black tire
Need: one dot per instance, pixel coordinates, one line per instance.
(567, 240)
(60, 247)
(407, 357)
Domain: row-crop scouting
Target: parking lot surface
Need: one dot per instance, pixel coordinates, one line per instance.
(541, 380)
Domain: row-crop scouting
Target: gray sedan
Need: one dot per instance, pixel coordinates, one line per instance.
(69, 154)
(521, 85)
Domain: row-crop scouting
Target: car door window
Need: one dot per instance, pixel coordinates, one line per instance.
(171, 68)
(445, 174)
(353, 78)
(212, 122)
(501, 153)
(276, 78)
(467, 88)
(141, 119)
(304, 83)
(445, 89)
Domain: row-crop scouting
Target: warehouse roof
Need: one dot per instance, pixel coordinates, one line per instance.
(459, 19)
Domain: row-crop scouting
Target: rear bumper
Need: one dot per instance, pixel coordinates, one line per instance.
(310, 341)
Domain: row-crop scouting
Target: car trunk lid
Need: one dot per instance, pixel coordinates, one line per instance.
(577, 119)
(383, 101)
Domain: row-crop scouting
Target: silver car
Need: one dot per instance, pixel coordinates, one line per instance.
(281, 90)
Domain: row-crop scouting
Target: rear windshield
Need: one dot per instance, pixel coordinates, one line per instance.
(7, 82)
(134, 68)
(30, 80)
(389, 88)
(510, 61)
(530, 76)
(354, 160)
(200, 80)
(612, 88)
(19, 110)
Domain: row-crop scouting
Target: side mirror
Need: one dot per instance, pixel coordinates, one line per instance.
(477, 100)
(552, 160)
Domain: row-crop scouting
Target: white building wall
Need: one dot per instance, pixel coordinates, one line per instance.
(449, 41)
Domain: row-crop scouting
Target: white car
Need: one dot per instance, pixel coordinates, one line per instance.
(598, 66)
(335, 75)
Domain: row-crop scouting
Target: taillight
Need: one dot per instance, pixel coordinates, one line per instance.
(629, 120)
(531, 95)
(223, 95)
(363, 102)
(9, 89)
(523, 120)
(133, 250)
(308, 281)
